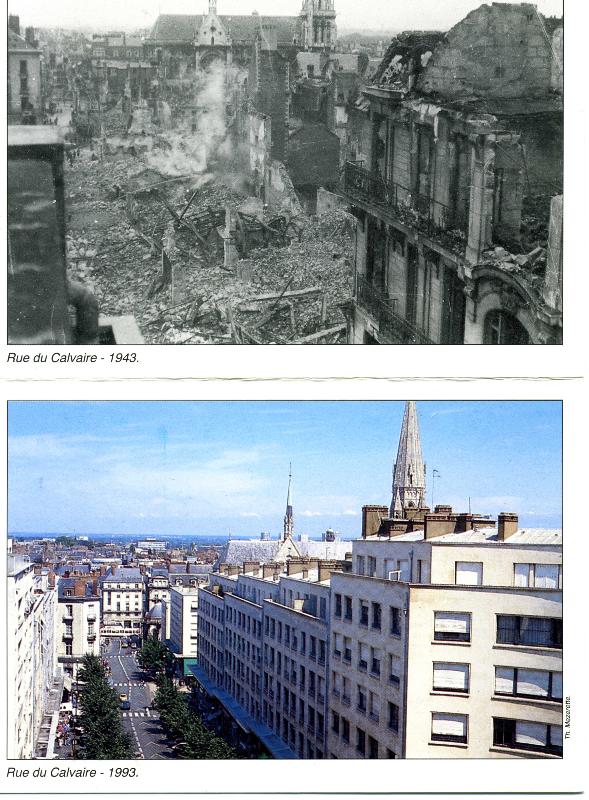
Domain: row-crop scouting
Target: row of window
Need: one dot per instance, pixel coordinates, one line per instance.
(366, 746)
(510, 733)
(452, 626)
(312, 646)
(466, 573)
(369, 614)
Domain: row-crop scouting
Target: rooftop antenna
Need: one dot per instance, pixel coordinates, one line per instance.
(435, 474)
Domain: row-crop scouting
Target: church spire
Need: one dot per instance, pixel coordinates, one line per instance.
(288, 527)
(409, 469)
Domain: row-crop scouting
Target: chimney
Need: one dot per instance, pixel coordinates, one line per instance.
(14, 24)
(371, 519)
(271, 570)
(251, 567)
(508, 525)
(233, 569)
(438, 525)
(463, 523)
(80, 587)
(326, 568)
(294, 566)
(443, 510)
(30, 37)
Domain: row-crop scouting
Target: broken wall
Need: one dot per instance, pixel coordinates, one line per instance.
(279, 189)
(499, 50)
(268, 85)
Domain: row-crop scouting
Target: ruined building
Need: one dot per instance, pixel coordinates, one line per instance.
(24, 86)
(454, 174)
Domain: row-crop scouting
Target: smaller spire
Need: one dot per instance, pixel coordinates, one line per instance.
(288, 526)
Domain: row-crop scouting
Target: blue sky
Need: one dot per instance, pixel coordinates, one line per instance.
(210, 468)
(378, 14)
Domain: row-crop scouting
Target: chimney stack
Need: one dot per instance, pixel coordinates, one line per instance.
(14, 24)
(80, 587)
(508, 525)
(371, 519)
(269, 37)
(30, 37)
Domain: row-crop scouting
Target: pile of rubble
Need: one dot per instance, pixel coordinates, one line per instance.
(138, 240)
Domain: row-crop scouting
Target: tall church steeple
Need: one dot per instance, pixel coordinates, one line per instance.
(409, 469)
(288, 526)
(212, 6)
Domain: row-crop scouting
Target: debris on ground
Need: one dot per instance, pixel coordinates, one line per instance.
(153, 246)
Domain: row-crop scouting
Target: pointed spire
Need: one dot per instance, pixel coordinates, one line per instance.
(409, 469)
(288, 527)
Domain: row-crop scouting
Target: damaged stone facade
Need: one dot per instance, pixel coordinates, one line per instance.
(454, 158)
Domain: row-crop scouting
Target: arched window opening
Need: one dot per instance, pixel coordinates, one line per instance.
(501, 327)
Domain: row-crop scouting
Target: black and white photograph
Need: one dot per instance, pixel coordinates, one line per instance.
(329, 172)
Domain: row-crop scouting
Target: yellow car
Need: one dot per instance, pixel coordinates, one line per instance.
(123, 697)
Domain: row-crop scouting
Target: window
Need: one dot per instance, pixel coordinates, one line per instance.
(375, 661)
(372, 747)
(360, 565)
(335, 722)
(469, 573)
(394, 669)
(345, 730)
(539, 576)
(527, 735)
(535, 631)
(393, 722)
(451, 677)
(348, 608)
(347, 648)
(449, 728)
(364, 613)
(528, 683)
(362, 656)
(451, 626)
(376, 616)
(338, 606)
(360, 741)
(337, 645)
(362, 699)
(500, 327)
(371, 566)
(395, 614)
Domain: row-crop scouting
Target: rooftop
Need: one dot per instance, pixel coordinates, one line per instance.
(523, 536)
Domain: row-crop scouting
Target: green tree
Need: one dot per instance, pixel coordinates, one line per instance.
(103, 736)
(195, 741)
(155, 658)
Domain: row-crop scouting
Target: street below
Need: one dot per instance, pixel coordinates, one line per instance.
(140, 720)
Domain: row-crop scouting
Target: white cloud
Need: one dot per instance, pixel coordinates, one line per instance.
(248, 514)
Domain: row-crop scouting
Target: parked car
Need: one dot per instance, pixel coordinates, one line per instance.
(123, 697)
(125, 705)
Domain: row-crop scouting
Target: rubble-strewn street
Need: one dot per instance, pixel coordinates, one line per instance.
(117, 219)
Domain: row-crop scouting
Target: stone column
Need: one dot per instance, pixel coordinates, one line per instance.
(480, 224)
(552, 289)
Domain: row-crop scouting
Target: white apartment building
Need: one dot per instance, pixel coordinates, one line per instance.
(77, 622)
(182, 634)
(34, 683)
(263, 641)
(123, 602)
(448, 645)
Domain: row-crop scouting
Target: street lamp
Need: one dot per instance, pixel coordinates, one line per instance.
(435, 474)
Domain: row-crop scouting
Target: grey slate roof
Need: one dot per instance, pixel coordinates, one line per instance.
(183, 28)
(239, 550)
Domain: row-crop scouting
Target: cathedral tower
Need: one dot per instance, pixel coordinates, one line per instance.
(409, 469)
(318, 24)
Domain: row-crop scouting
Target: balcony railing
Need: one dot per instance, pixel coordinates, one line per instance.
(433, 218)
(382, 309)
